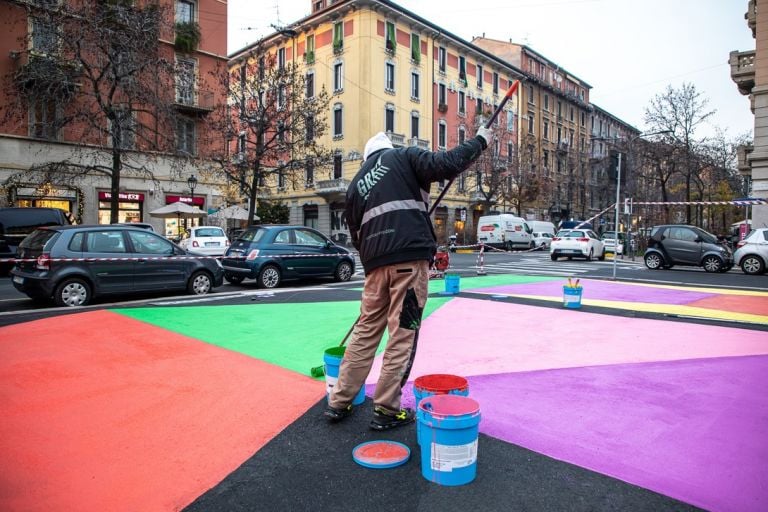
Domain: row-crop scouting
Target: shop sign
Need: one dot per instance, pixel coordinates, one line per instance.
(122, 196)
(196, 201)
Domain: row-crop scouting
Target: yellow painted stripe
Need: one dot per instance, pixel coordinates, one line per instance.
(658, 308)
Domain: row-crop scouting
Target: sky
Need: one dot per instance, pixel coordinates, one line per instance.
(629, 51)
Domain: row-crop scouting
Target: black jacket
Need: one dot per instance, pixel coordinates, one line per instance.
(388, 201)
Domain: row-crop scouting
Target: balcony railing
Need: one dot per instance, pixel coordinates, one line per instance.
(335, 186)
(194, 101)
(398, 139)
(743, 70)
(419, 143)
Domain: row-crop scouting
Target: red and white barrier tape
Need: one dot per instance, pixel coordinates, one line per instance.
(749, 202)
(155, 258)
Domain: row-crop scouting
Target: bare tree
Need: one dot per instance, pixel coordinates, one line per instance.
(98, 77)
(720, 179)
(681, 111)
(492, 171)
(276, 118)
(523, 181)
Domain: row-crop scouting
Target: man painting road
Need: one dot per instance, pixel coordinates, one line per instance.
(388, 216)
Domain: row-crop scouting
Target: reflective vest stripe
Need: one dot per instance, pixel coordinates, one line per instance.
(407, 204)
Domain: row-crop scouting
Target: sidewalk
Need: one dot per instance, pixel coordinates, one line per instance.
(616, 406)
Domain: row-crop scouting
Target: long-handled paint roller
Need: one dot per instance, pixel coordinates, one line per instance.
(319, 371)
(488, 124)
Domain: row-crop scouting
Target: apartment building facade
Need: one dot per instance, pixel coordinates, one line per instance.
(569, 136)
(390, 70)
(749, 70)
(387, 69)
(44, 131)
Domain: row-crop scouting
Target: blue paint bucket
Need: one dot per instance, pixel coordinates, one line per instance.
(452, 283)
(450, 429)
(332, 359)
(572, 297)
(437, 384)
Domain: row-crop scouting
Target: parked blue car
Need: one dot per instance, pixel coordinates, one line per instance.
(273, 253)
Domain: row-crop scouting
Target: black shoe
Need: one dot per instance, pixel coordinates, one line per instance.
(385, 420)
(334, 415)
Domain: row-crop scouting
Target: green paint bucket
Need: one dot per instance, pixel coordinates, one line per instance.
(332, 358)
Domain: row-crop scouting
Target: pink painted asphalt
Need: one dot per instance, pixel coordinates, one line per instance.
(694, 430)
(670, 406)
(470, 337)
(604, 290)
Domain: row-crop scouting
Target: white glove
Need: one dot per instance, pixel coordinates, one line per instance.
(486, 134)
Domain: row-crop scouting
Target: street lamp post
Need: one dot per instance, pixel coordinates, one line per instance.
(618, 191)
(192, 182)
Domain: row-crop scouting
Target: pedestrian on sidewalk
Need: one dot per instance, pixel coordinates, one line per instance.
(388, 216)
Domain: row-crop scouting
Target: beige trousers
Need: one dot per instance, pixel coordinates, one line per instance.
(394, 297)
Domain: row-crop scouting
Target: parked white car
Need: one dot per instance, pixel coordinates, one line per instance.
(207, 240)
(752, 252)
(579, 243)
(609, 242)
(542, 239)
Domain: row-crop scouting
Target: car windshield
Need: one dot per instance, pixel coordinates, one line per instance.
(37, 239)
(209, 232)
(707, 237)
(252, 235)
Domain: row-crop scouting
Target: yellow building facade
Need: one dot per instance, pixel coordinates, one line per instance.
(388, 69)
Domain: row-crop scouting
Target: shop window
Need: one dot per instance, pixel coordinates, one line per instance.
(310, 216)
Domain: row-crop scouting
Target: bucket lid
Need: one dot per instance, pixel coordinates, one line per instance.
(449, 405)
(381, 454)
(441, 383)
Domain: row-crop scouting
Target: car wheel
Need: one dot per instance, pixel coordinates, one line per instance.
(200, 283)
(602, 256)
(653, 261)
(532, 246)
(72, 292)
(233, 278)
(343, 271)
(712, 264)
(553, 257)
(269, 277)
(591, 255)
(752, 265)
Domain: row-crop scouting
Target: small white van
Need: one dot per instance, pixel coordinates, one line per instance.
(542, 226)
(504, 231)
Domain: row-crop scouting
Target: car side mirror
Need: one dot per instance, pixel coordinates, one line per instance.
(697, 239)
(329, 244)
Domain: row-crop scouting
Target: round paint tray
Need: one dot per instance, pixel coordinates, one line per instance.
(381, 454)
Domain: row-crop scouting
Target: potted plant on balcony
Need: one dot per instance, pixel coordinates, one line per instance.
(187, 37)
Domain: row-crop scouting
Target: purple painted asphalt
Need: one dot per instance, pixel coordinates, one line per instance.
(603, 290)
(694, 430)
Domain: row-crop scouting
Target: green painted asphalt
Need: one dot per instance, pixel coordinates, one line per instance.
(293, 336)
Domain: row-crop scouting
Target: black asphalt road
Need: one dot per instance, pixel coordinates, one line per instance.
(309, 466)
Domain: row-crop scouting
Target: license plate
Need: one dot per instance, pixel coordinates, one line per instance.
(18, 280)
(211, 244)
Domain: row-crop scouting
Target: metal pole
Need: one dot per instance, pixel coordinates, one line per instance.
(616, 221)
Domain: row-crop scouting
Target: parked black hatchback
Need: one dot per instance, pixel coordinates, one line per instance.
(74, 264)
(17, 223)
(273, 253)
(679, 244)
